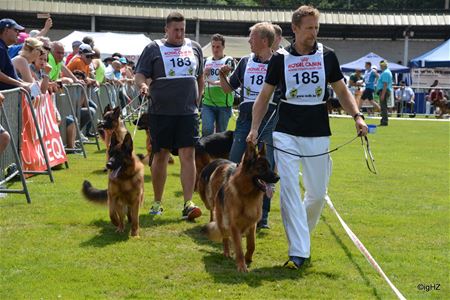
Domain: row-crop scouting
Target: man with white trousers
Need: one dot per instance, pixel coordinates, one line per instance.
(303, 71)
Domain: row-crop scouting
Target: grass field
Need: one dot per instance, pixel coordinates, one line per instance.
(61, 246)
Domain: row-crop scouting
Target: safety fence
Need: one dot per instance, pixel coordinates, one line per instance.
(39, 127)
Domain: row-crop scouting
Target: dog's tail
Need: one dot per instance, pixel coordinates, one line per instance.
(212, 231)
(93, 194)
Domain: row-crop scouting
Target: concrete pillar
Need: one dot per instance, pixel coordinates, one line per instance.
(92, 23)
(197, 30)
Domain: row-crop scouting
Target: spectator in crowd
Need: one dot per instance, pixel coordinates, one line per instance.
(354, 83)
(44, 31)
(107, 61)
(9, 31)
(370, 77)
(112, 72)
(39, 71)
(88, 40)
(13, 50)
(303, 127)
(216, 105)
(99, 67)
(55, 59)
(384, 89)
(404, 97)
(75, 49)
(438, 99)
(62, 75)
(249, 76)
(31, 50)
(278, 37)
(82, 65)
(4, 135)
(173, 113)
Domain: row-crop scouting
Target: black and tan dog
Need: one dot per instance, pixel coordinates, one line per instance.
(234, 194)
(212, 147)
(112, 122)
(125, 191)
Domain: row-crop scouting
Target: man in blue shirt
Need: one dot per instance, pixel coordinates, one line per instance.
(370, 76)
(9, 31)
(384, 89)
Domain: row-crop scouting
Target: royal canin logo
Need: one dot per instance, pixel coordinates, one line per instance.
(261, 68)
(305, 64)
(304, 59)
(178, 52)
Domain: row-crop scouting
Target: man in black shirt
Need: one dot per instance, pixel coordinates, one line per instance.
(303, 71)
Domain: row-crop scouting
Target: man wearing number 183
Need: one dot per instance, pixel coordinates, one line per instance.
(170, 71)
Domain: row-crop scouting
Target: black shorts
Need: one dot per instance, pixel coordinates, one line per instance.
(367, 94)
(173, 132)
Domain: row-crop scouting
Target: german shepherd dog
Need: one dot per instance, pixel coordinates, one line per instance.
(125, 191)
(112, 122)
(212, 147)
(234, 194)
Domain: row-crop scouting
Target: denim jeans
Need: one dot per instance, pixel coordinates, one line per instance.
(243, 125)
(214, 115)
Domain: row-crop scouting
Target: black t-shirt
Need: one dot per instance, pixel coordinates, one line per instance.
(303, 120)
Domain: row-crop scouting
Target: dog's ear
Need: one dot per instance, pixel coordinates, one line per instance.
(114, 140)
(107, 108)
(262, 149)
(127, 144)
(250, 154)
(116, 112)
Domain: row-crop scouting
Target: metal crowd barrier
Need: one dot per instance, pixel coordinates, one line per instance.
(11, 160)
(68, 103)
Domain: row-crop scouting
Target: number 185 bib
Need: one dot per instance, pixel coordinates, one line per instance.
(305, 78)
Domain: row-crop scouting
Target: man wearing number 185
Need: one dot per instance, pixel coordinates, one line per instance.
(170, 71)
(302, 73)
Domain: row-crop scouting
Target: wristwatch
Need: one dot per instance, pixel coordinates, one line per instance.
(358, 115)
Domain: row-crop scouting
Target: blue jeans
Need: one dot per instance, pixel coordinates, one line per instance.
(214, 115)
(243, 125)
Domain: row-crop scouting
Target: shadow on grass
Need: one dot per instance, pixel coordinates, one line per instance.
(107, 235)
(100, 172)
(223, 269)
(350, 257)
(146, 220)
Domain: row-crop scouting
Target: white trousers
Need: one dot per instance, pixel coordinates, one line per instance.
(300, 217)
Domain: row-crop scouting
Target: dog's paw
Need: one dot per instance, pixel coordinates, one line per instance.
(242, 268)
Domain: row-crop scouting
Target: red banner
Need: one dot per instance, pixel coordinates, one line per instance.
(33, 158)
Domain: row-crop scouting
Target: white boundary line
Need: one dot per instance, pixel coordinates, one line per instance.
(432, 118)
(365, 252)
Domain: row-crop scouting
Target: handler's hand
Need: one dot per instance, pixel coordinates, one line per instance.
(361, 127)
(143, 88)
(225, 70)
(252, 137)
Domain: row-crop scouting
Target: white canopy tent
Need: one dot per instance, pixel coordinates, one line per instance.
(236, 47)
(129, 45)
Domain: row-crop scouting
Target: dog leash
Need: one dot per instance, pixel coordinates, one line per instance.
(314, 155)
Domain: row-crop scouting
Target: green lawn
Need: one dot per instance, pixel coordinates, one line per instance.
(61, 246)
